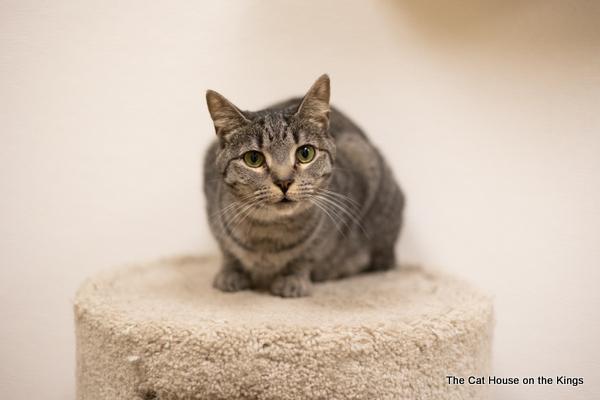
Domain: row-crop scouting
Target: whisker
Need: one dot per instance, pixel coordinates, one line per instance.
(336, 202)
(240, 202)
(344, 209)
(340, 216)
(324, 209)
(342, 196)
(249, 211)
(347, 202)
(243, 210)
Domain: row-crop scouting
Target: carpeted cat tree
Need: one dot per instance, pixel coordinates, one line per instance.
(160, 331)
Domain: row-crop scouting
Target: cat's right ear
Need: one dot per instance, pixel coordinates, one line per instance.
(225, 115)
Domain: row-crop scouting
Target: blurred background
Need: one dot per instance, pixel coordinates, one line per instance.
(488, 111)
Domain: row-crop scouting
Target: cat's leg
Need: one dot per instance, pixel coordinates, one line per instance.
(231, 277)
(382, 258)
(295, 282)
(349, 259)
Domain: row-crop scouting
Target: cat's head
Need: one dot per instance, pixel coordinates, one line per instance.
(276, 157)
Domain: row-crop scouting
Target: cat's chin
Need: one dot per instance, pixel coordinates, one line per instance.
(285, 207)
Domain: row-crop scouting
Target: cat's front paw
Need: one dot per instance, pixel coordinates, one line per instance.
(291, 286)
(231, 281)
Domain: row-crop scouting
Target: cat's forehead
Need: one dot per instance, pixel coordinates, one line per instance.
(274, 132)
(273, 127)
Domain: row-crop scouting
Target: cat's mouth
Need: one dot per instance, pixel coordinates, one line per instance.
(285, 202)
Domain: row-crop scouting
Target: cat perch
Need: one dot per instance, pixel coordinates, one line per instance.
(160, 331)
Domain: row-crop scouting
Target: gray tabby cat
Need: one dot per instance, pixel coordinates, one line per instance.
(297, 193)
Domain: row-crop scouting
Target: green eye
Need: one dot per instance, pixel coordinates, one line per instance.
(305, 154)
(254, 159)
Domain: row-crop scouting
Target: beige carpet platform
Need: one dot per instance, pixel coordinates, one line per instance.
(160, 331)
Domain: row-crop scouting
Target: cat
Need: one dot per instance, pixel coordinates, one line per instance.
(296, 193)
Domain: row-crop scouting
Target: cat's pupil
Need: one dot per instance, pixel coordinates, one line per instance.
(304, 152)
(254, 157)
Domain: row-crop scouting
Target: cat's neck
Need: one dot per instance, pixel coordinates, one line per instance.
(274, 234)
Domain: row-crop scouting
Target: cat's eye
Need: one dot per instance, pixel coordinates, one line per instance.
(254, 159)
(305, 154)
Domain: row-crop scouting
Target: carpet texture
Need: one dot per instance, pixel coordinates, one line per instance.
(160, 331)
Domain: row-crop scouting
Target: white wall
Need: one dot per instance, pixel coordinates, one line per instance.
(488, 111)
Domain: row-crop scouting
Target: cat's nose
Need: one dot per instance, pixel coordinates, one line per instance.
(284, 184)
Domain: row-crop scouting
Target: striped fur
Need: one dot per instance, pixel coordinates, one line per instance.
(343, 210)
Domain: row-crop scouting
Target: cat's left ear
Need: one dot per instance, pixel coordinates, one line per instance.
(315, 104)
(225, 115)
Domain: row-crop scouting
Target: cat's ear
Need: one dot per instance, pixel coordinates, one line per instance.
(225, 115)
(315, 104)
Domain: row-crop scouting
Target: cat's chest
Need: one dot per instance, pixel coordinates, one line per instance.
(267, 248)
(264, 262)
